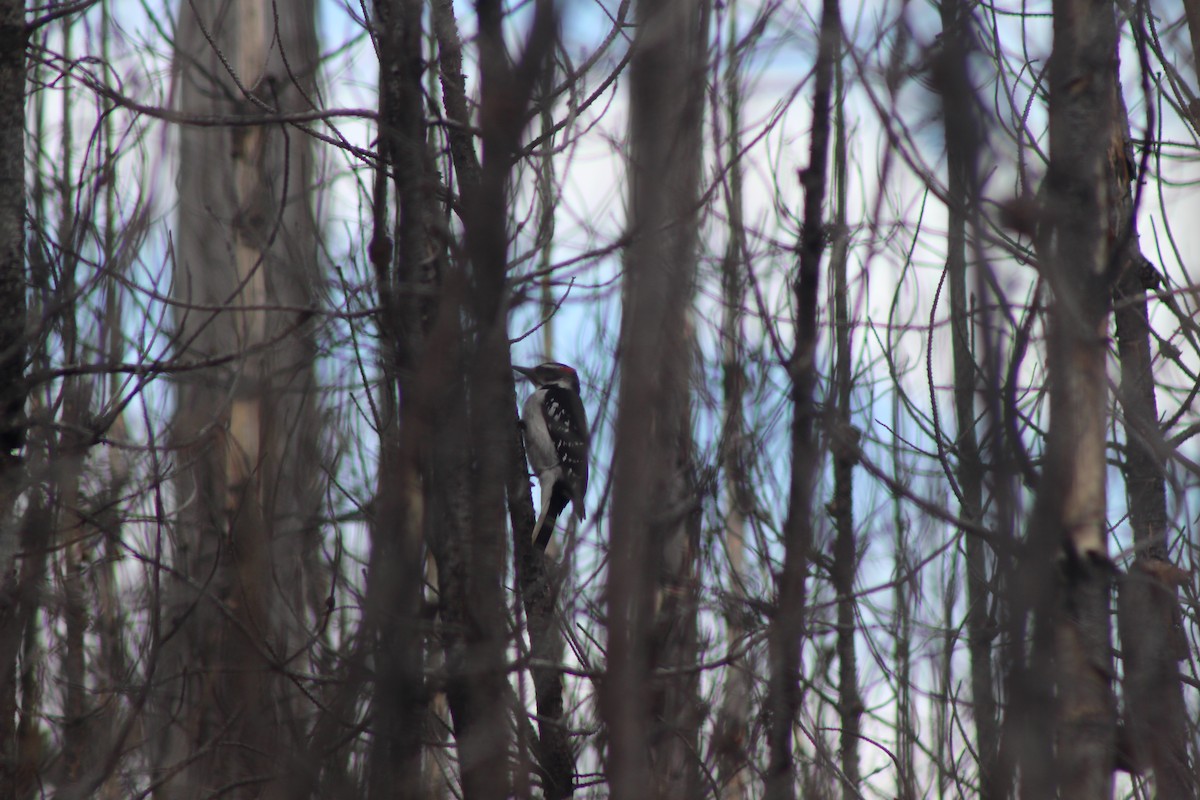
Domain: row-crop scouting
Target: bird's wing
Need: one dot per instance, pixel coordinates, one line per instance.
(569, 431)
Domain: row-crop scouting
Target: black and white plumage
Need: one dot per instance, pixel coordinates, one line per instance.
(556, 441)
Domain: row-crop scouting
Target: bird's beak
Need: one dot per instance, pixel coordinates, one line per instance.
(526, 371)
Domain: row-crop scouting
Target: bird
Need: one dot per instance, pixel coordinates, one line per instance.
(555, 428)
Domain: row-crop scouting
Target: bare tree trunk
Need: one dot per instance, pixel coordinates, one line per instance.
(554, 756)
(675, 731)
(732, 733)
(248, 435)
(649, 542)
(12, 239)
(1191, 10)
(538, 579)
(450, 456)
(845, 455)
(472, 553)
(73, 534)
(12, 373)
(68, 455)
(396, 590)
(1148, 614)
(905, 596)
(787, 628)
(110, 620)
(962, 143)
(21, 598)
(944, 692)
(547, 203)
(1070, 505)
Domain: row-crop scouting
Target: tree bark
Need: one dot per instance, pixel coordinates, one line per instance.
(845, 456)
(905, 596)
(471, 565)
(731, 736)
(12, 235)
(247, 432)
(787, 628)
(962, 145)
(652, 535)
(12, 375)
(1148, 613)
(1070, 504)
(396, 587)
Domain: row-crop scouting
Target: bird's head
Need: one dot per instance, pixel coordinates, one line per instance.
(551, 373)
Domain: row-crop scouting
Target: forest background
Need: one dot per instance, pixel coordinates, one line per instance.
(887, 331)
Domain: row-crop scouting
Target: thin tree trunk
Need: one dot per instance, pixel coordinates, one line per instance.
(905, 599)
(675, 733)
(787, 628)
(396, 589)
(1148, 613)
(450, 456)
(73, 535)
(845, 456)
(649, 542)
(547, 200)
(12, 239)
(942, 708)
(12, 373)
(552, 751)
(471, 572)
(554, 756)
(111, 659)
(18, 615)
(962, 142)
(68, 465)
(1070, 505)
(732, 733)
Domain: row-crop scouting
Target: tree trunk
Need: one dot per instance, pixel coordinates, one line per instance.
(962, 144)
(1148, 613)
(731, 736)
(1070, 505)
(473, 453)
(902, 659)
(396, 588)
(675, 703)
(12, 371)
(787, 628)
(652, 526)
(845, 455)
(246, 429)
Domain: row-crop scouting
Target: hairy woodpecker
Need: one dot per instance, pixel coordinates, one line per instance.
(556, 439)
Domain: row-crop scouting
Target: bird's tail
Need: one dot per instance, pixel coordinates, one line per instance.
(559, 498)
(544, 528)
